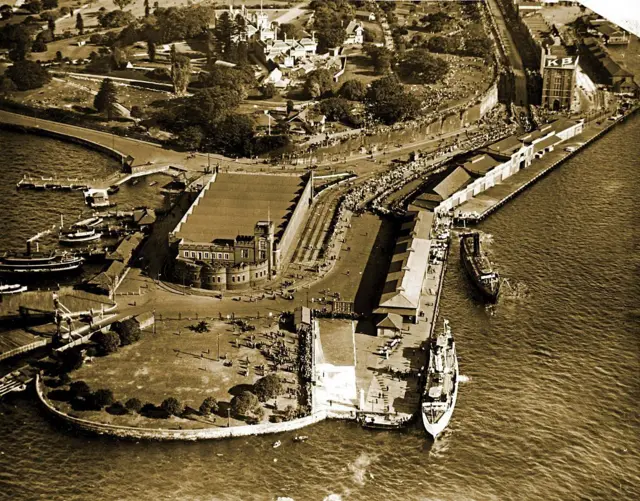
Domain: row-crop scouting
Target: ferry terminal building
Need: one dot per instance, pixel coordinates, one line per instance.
(239, 229)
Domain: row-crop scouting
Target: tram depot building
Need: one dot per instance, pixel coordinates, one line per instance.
(239, 229)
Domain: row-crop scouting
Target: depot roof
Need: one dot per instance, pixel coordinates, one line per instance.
(232, 204)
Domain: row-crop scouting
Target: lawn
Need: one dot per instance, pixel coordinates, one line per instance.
(178, 362)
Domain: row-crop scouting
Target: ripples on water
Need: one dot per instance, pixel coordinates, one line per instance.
(550, 411)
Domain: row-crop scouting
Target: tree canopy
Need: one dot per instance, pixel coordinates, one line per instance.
(180, 72)
(245, 403)
(208, 406)
(177, 23)
(267, 387)
(389, 102)
(27, 75)
(353, 90)
(122, 3)
(381, 57)
(422, 67)
(115, 19)
(129, 331)
(172, 406)
(318, 83)
(133, 404)
(102, 398)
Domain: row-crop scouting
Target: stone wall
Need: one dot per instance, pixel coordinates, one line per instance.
(297, 219)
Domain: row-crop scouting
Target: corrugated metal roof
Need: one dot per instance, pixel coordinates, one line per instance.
(480, 165)
(454, 182)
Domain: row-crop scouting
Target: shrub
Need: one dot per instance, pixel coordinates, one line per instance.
(79, 389)
(133, 404)
(107, 342)
(71, 360)
(172, 406)
(101, 398)
(50, 4)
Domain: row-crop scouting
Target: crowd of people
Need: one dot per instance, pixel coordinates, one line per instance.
(305, 366)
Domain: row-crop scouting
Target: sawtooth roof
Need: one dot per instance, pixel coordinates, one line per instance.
(232, 204)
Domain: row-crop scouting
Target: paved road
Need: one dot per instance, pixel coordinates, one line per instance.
(291, 14)
(512, 53)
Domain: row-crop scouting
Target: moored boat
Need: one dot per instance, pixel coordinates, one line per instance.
(8, 289)
(442, 379)
(79, 237)
(90, 222)
(478, 267)
(38, 264)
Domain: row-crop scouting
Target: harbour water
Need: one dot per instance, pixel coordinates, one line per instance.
(549, 409)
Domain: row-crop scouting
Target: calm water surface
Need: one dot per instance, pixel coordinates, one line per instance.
(550, 410)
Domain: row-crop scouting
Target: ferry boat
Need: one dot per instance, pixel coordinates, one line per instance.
(8, 289)
(441, 388)
(79, 237)
(478, 266)
(38, 264)
(96, 198)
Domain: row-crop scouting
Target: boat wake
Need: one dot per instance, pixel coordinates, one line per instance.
(514, 290)
(359, 467)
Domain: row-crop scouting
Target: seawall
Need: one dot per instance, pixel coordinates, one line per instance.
(24, 129)
(173, 434)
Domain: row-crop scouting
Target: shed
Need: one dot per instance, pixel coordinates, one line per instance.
(390, 325)
(302, 317)
(145, 319)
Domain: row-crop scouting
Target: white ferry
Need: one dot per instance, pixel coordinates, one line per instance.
(441, 389)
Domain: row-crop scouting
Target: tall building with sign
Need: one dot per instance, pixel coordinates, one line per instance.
(558, 70)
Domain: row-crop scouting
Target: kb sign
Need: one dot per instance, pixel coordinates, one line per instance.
(556, 62)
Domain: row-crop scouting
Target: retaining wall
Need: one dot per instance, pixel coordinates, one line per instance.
(175, 434)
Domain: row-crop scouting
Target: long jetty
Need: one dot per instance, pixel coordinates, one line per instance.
(482, 205)
(71, 184)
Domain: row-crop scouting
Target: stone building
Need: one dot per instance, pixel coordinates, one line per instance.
(239, 229)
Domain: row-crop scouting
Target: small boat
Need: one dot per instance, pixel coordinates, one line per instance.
(114, 188)
(135, 181)
(153, 183)
(79, 237)
(277, 444)
(90, 222)
(300, 438)
(5, 290)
